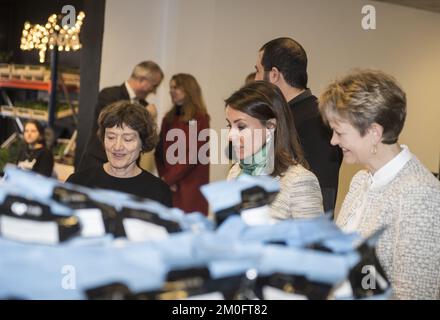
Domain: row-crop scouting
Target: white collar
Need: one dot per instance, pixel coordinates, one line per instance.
(387, 173)
(130, 91)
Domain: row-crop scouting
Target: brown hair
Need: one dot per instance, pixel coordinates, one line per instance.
(364, 97)
(130, 114)
(193, 103)
(250, 78)
(289, 57)
(264, 101)
(41, 134)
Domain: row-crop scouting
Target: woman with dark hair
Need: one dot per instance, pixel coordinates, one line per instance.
(265, 142)
(366, 110)
(126, 130)
(35, 156)
(181, 126)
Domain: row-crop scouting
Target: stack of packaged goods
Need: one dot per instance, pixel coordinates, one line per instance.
(61, 241)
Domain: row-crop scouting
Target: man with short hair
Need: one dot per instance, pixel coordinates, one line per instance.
(145, 79)
(283, 62)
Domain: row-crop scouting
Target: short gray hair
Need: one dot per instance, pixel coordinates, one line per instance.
(145, 69)
(364, 97)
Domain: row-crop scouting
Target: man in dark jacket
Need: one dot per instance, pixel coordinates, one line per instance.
(283, 62)
(145, 79)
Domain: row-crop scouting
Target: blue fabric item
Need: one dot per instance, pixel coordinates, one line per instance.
(13, 189)
(227, 268)
(177, 250)
(186, 249)
(27, 180)
(106, 240)
(32, 271)
(223, 256)
(194, 221)
(342, 243)
(226, 194)
(23, 183)
(295, 233)
(36, 272)
(233, 227)
(4, 189)
(315, 265)
(214, 247)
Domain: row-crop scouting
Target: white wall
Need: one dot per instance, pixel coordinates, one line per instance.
(217, 41)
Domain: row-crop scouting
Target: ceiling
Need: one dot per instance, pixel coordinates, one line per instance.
(428, 5)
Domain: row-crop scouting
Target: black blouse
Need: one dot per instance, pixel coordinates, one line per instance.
(38, 160)
(144, 185)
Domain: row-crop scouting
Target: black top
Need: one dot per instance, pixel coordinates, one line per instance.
(94, 153)
(144, 185)
(323, 158)
(38, 160)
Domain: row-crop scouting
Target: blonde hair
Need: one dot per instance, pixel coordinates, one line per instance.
(364, 97)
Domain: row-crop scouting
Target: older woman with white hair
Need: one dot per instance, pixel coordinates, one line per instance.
(366, 110)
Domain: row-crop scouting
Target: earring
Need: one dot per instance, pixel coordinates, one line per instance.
(374, 151)
(270, 135)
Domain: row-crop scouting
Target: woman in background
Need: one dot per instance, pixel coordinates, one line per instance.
(35, 156)
(185, 172)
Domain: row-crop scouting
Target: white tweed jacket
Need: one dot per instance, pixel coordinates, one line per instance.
(409, 207)
(299, 197)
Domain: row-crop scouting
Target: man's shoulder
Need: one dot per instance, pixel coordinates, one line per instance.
(111, 94)
(305, 109)
(112, 90)
(304, 99)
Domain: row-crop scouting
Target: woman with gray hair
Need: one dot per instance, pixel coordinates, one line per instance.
(366, 110)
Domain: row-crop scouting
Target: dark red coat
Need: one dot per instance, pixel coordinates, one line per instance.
(187, 177)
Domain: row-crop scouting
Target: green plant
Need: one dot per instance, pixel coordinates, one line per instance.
(41, 105)
(4, 157)
(10, 155)
(58, 149)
